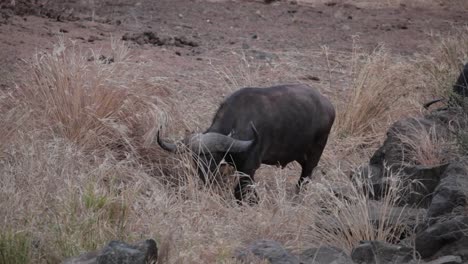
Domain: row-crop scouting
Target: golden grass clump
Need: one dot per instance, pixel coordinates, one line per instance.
(89, 100)
(376, 95)
(439, 70)
(427, 145)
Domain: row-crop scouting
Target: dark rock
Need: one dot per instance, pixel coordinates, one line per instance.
(266, 249)
(92, 38)
(373, 177)
(183, 41)
(446, 260)
(324, 255)
(421, 183)
(149, 37)
(451, 193)
(404, 218)
(394, 152)
(379, 252)
(120, 252)
(441, 234)
(458, 248)
(461, 85)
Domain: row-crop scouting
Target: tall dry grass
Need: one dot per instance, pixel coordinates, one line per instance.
(376, 95)
(92, 104)
(439, 70)
(381, 4)
(80, 168)
(428, 146)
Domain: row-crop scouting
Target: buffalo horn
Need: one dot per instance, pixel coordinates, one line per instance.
(215, 142)
(171, 147)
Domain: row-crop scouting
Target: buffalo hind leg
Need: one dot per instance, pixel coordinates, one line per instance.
(309, 163)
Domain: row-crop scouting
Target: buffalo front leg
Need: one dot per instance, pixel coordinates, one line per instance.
(244, 191)
(305, 175)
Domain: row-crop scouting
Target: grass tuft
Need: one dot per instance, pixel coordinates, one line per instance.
(15, 247)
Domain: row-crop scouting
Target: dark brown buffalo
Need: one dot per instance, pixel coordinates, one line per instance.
(254, 126)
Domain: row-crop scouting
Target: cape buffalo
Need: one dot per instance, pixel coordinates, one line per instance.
(254, 126)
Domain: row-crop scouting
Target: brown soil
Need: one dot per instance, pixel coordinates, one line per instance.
(181, 42)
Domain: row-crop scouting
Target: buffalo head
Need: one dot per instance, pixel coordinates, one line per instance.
(210, 149)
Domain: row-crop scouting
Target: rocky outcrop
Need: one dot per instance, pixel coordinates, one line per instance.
(378, 252)
(324, 255)
(143, 252)
(444, 236)
(452, 192)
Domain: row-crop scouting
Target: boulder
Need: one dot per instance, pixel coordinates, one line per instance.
(405, 218)
(458, 248)
(461, 85)
(394, 152)
(420, 182)
(324, 255)
(266, 249)
(451, 193)
(142, 252)
(379, 252)
(446, 260)
(441, 235)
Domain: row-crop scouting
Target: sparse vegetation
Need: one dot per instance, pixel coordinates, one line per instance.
(79, 167)
(15, 248)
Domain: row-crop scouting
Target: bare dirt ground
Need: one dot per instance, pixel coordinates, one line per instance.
(186, 37)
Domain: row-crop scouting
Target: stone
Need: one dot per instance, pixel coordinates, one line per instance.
(446, 260)
(440, 235)
(461, 85)
(372, 176)
(451, 193)
(458, 248)
(404, 217)
(394, 153)
(421, 183)
(142, 252)
(324, 255)
(379, 252)
(266, 249)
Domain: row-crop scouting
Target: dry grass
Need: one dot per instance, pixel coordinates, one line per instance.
(393, 3)
(376, 98)
(427, 145)
(439, 69)
(78, 167)
(92, 104)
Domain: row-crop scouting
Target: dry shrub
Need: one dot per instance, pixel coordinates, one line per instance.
(92, 104)
(461, 4)
(427, 145)
(441, 67)
(376, 95)
(344, 214)
(207, 227)
(62, 200)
